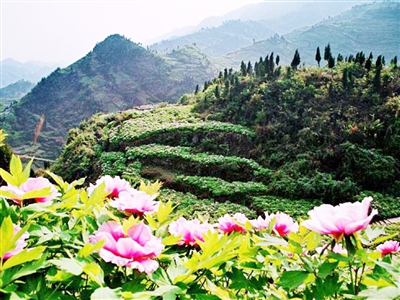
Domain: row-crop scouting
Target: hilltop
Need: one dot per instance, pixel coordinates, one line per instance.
(265, 138)
(118, 74)
(14, 92)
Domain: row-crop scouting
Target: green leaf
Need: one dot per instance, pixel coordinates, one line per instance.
(171, 240)
(389, 292)
(68, 264)
(270, 240)
(88, 249)
(105, 293)
(7, 177)
(95, 272)
(8, 195)
(29, 268)
(327, 268)
(27, 171)
(23, 257)
(338, 256)
(164, 211)
(6, 234)
(42, 193)
(382, 239)
(292, 279)
(217, 291)
(160, 277)
(15, 165)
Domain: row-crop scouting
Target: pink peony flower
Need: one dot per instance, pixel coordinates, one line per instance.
(284, 223)
(136, 250)
(32, 184)
(228, 224)
(21, 244)
(389, 247)
(135, 201)
(340, 220)
(338, 248)
(114, 185)
(190, 230)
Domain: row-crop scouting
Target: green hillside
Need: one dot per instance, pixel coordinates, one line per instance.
(368, 27)
(14, 92)
(117, 75)
(251, 141)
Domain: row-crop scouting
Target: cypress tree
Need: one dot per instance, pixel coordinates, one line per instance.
(296, 60)
(243, 68)
(197, 89)
(216, 92)
(368, 64)
(394, 62)
(331, 62)
(339, 57)
(277, 59)
(377, 79)
(327, 53)
(249, 68)
(318, 56)
(266, 64)
(345, 78)
(362, 58)
(271, 63)
(378, 62)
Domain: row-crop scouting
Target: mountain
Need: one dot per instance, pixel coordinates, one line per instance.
(118, 74)
(33, 71)
(368, 27)
(221, 35)
(285, 139)
(219, 40)
(14, 91)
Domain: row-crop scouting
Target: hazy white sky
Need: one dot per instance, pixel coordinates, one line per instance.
(65, 31)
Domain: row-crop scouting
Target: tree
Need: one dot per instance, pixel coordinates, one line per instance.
(318, 56)
(197, 89)
(327, 53)
(345, 78)
(217, 95)
(368, 64)
(378, 62)
(393, 62)
(225, 73)
(243, 68)
(296, 60)
(271, 63)
(331, 62)
(249, 68)
(277, 59)
(339, 57)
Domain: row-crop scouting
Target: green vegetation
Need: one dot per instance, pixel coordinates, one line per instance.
(265, 138)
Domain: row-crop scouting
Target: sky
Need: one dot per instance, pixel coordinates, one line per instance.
(65, 31)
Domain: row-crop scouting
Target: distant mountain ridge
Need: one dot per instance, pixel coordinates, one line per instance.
(33, 71)
(368, 27)
(220, 35)
(218, 41)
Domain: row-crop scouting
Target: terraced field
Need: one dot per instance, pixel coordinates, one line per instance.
(203, 164)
